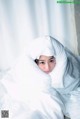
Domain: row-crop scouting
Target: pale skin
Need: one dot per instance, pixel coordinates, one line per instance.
(46, 63)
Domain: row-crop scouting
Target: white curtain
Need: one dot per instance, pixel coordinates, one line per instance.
(23, 20)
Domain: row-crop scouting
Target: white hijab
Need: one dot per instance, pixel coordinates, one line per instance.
(48, 46)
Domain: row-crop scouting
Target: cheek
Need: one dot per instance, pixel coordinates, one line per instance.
(41, 67)
(53, 66)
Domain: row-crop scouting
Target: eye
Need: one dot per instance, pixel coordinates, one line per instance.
(41, 62)
(52, 60)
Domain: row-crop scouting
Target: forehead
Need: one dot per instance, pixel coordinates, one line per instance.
(43, 57)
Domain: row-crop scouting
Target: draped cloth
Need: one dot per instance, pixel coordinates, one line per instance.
(28, 90)
(45, 96)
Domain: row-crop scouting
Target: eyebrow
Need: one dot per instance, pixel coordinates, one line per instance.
(52, 57)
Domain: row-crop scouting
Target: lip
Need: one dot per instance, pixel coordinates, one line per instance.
(47, 72)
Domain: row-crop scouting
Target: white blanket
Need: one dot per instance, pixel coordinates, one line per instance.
(37, 94)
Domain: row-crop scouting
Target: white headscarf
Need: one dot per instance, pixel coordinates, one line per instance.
(48, 46)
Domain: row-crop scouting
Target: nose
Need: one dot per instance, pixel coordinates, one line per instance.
(47, 68)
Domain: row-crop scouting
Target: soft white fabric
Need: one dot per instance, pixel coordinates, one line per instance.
(44, 96)
(65, 77)
(32, 100)
(27, 84)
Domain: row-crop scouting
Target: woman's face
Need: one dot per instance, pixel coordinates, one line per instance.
(46, 63)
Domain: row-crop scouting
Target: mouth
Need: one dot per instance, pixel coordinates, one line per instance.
(47, 72)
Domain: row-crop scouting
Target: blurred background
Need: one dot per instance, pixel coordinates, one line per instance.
(21, 21)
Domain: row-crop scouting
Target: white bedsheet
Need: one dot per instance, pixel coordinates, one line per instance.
(31, 94)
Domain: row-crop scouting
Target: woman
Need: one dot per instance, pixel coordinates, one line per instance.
(63, 67)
